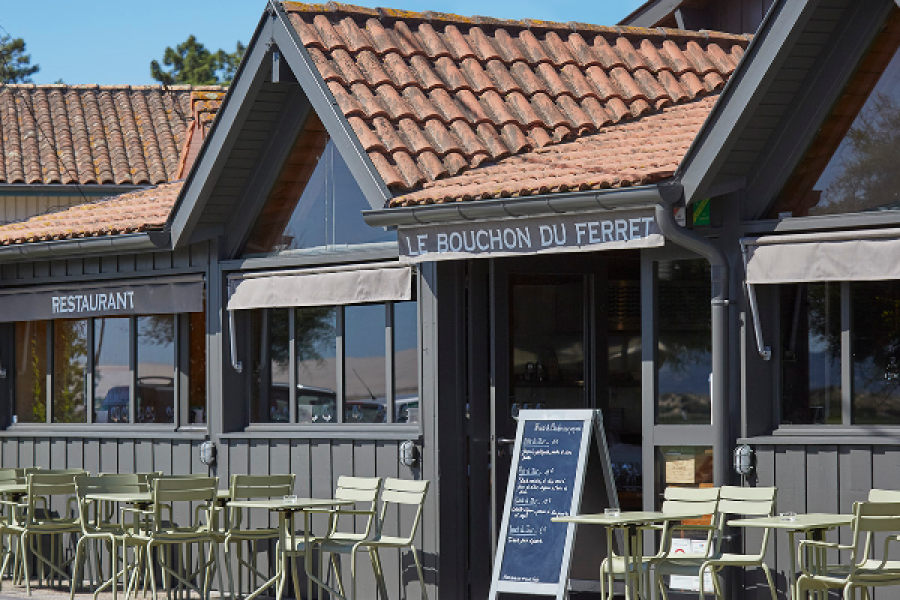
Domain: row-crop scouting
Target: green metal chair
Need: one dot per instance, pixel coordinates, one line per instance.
(863, 570)
(8, 475)
(149, 531)
(98, 524)
(237, 530)
(32, 522)
(364, 492)
(395, 492)
(733, 501)
(675, 500)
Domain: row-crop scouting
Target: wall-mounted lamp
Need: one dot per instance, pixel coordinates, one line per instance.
(744, 460)
(409, 454)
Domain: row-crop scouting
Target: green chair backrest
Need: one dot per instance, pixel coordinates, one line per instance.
(683, 499)
(248, 487)
(41, 486)
(12, 475)
(404, 492)
(184, 489)
(103, 484)
(29, 470)
(758, 501)
(361, 490)
(877, 495)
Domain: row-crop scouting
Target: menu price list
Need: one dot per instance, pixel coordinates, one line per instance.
(545, 482)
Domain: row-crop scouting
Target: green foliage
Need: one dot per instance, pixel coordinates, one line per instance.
(71, 356)
(15, 65)
(192, 63)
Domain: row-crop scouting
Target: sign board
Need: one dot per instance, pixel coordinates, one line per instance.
(565, 232)
(104, 298)
(546, 480)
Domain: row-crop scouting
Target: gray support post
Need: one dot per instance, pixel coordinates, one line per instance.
(719, 282)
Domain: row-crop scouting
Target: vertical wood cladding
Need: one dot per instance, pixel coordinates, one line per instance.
(813, 478)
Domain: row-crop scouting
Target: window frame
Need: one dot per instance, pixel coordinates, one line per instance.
(340, 375)
(181, 380)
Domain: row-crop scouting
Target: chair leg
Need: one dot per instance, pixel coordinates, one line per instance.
(76, 567)
(419, 569)
(230, 574)
(379, 572)
(662, 587)
(771, 582)
(25, 561)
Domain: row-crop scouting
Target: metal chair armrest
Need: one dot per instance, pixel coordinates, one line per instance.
(807, 544)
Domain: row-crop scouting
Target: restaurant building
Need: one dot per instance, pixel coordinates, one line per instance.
(403, 228)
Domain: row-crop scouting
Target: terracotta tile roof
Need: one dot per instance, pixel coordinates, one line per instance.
(432, 95)
(637, 152)
(90, 134)
(133, 212)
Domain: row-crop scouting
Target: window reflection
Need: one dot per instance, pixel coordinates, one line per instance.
(315, 329)
(31, 372)
(406, 363)
(875, 335)
(547, 341)
(365, 393)
(155, 397)
(684, 353)
(314, 193)
(197, 369)
(112, 370)
(70, 365)
(811, 353)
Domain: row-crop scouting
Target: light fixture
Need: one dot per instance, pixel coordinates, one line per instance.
(743, 460)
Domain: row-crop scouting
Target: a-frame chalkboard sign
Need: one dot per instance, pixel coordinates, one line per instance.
(546, 480)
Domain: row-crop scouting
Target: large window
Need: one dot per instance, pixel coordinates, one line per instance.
(824, 382)
(684, 346)
(111, 370)
(327, 364)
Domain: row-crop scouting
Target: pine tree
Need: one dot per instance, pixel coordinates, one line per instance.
(192, 63)
(15, 65)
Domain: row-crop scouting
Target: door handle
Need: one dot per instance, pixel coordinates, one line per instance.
(504, 446)
(506, 441)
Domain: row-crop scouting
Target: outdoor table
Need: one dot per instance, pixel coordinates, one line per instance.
(813, 525)
(287, 539)
(631, 523)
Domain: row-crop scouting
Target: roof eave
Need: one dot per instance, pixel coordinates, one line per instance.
(118, 244)
(663, 193)
(740, 95)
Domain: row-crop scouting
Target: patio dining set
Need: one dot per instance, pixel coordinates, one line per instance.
(153, 526)
(704, 513)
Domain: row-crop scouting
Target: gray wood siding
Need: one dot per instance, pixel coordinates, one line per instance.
(814, 478)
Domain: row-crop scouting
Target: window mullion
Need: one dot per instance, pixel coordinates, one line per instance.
(339, 354)
(292, 365)
(846, 356)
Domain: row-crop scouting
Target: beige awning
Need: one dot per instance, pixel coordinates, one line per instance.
(321, 287)
(866, 255)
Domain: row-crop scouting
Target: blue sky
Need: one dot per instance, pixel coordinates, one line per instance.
(113, 42)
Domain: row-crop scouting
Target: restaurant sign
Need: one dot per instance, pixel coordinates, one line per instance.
(107, 298)
(573, 232)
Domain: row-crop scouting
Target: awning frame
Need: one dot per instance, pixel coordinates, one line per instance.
(764, 351)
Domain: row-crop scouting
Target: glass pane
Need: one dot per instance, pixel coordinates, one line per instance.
(259, 382)
(862, 175)
(406, 363)
(279, 366)
(348, 203)
(547, 341)
(316, 348)
(365, 392)
(684, 353)
(315, 203)
(811, 353)
(112, 370)
(155, 369)
(31, 372)
(875, 342)
(197, 369)
(622, 410)
(70, 365)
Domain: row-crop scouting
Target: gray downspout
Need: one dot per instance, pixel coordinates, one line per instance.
(719, 282)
